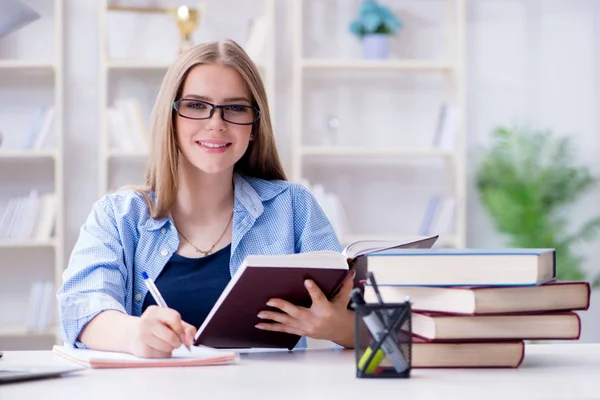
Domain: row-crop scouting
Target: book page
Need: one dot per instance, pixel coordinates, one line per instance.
(312, 259)
(362, 247)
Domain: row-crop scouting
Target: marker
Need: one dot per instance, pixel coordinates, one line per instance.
(378, 330)
(157, 296)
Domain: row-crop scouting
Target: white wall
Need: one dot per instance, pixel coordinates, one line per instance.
(528, 61)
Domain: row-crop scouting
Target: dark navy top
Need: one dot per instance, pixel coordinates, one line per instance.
(192, 285)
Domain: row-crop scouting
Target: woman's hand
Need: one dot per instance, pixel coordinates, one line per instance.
(329, 320)
(158, 332)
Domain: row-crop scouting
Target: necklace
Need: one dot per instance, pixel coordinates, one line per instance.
(207, 252)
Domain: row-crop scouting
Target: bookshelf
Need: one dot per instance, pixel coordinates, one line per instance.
(129, 73)
(331, 81)
(31, 159)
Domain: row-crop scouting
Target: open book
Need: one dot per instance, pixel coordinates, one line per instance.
(181, 357)
(231, 322)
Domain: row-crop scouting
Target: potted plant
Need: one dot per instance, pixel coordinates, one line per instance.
(525, 182)
(374, 26)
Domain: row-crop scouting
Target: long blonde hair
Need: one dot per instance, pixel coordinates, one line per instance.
(261, 159)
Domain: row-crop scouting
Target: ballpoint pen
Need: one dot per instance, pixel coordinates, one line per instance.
(157, 296)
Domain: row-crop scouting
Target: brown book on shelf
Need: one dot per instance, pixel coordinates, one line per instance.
(467, 355)
(540, 326)
(552, 296)
(231, 322)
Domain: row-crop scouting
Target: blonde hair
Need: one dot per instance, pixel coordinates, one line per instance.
(261, 159)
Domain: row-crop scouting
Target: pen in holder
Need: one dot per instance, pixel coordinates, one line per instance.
(383, 338)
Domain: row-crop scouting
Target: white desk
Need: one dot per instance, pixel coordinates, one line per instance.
(559, 371)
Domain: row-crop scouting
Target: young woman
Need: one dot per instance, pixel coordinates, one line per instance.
(215, 193)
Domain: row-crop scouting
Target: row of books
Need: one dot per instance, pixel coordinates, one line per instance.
(126, 128)
(41, 306)
(28, 217)
(478, 308)
(41, 132)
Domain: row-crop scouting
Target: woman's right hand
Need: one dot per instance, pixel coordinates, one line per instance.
(158, 332)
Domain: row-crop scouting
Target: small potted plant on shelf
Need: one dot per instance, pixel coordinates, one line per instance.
(374, 26)
(525, 182)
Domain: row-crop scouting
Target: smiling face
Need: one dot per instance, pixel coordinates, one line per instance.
(213, 145)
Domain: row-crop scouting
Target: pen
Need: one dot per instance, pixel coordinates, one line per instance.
(157, 296)
(378, 329)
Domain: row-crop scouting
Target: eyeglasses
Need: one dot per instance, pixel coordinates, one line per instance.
(238, 114)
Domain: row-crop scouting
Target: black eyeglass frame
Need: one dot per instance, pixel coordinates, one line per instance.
(215, 106)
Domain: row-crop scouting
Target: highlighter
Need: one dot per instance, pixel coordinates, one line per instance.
(377, 359)
(377, 329)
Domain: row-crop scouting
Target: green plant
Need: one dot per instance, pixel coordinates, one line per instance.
(375, 18)
(525, 183)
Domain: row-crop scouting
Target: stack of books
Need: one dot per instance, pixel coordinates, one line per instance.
(477, 308)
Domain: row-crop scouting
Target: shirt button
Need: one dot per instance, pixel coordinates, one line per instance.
(138, 297)
(164, 252)
(163, 230)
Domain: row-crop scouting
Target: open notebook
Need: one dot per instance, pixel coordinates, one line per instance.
(181, 357)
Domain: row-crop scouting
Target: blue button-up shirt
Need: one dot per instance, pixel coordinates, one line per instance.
(120, 238)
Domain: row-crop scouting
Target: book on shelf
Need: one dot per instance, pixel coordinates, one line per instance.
(463, 267)
(40, 308)
(446, 130)
(550, 296)
(126, 128)
(41, 133)
(230, 326)
(439, 216)
(28, 217)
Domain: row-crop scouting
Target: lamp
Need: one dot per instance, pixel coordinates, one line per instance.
(186, 18)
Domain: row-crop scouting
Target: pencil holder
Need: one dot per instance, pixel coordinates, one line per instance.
(383, 343)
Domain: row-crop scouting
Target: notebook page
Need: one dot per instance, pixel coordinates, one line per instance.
(180, 356)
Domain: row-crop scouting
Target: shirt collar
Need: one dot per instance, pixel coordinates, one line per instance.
(249, 193)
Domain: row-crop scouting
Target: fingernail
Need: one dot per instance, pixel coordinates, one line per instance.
(308, 283)
(262, 315)
(271, 304)
(259, 326)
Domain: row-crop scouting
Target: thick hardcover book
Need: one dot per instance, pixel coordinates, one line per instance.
(231, 322)
(551, 296)
(463, 267)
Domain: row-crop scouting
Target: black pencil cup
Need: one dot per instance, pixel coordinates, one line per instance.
(383, 340)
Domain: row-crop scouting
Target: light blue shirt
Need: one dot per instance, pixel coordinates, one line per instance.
(120, 238)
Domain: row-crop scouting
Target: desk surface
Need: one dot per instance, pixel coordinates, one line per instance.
(550, 371)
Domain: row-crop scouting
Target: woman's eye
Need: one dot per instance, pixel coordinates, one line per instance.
(196, 105)
(236, 108)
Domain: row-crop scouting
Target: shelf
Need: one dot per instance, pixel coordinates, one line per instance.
(137, 65)
(26, 64)
(444, 240)
(124, 154)
(21, 331)
(407, 65)
(27, 154)
(363, 152)
(145, 65)
(26, 243)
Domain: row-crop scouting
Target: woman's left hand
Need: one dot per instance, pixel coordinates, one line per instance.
(329, 320)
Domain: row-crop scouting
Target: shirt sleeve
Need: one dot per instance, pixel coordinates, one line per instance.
(95, 279)
(313, 232)
(312, 228)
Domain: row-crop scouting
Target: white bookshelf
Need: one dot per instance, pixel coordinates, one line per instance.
(312, 162)
(139, 77)
(31, 68)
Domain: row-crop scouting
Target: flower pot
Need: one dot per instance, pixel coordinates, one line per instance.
(376, 46)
